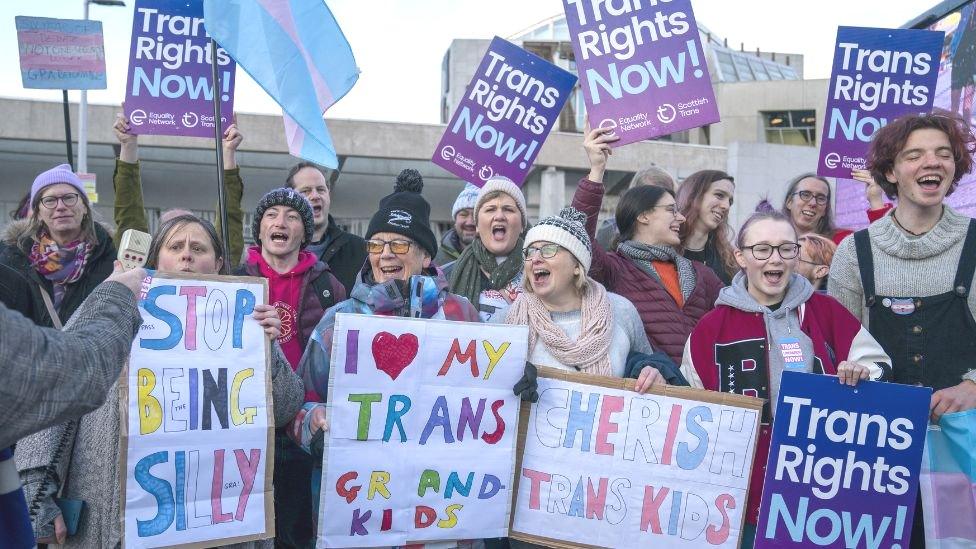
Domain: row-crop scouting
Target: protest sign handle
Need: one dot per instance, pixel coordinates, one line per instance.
(219, 139)
(67, 129)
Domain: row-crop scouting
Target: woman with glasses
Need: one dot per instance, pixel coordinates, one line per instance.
(813, 263)
(574, 323)
(808, 206)
(705, 198)
(671, 293)
(400, 279)
(57, 255)
(770, 320)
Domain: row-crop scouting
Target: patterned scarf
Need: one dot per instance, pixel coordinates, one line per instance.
(643, 254)
(590, 353)
(61, 265)
(475, 260)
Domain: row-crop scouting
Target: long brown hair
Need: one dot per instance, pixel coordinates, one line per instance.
(825, 227)
(690, 195)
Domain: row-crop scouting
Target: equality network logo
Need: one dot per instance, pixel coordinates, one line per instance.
(832, 160)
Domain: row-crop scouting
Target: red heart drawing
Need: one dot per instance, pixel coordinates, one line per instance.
(393, 354)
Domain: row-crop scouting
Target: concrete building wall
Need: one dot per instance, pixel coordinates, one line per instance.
(741, 105)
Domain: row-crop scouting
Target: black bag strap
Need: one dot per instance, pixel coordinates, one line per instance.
(865, 264)
(967, 263)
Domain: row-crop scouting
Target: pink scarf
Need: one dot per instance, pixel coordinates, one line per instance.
(590, 352)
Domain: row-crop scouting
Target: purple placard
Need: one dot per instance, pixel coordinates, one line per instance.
(509, 107)
(843, 464)
(169, 89)
(878, 75)
(62, 54)
(641, 65)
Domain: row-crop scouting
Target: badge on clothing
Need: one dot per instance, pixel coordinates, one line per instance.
(792, 353)
(900, 306)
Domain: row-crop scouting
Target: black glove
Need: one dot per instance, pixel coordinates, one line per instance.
(317, 445)
(528, 387)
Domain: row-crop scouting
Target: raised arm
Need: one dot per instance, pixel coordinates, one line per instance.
(130, 212)
(589, 194)
(234, 191)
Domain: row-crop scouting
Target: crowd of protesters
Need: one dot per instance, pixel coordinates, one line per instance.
(665, 292)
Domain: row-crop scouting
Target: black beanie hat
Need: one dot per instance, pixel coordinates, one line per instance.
(405, 212)
(284, 197)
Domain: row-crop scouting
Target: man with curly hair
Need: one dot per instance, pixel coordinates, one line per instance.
(909, 276)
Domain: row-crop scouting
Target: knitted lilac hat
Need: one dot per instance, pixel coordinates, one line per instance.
(54, 176)
(566, 229)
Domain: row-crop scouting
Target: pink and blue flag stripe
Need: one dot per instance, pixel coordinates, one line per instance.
(296, 51)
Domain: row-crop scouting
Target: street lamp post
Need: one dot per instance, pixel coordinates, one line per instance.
(83, 104)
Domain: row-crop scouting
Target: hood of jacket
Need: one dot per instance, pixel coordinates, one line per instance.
(737, 296)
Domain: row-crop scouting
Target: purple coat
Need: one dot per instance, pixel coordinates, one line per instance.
(667, 325)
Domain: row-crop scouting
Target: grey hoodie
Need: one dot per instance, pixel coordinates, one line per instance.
(781, 325)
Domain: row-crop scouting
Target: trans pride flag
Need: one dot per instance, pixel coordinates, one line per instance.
(948, 482)
(296, 51)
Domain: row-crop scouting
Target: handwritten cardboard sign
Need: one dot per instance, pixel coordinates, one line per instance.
(63, 54)
(604, 466)
(197, 427)
(422, 419)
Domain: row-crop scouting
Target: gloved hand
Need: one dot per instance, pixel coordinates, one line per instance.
(528, 387)
(317, 445)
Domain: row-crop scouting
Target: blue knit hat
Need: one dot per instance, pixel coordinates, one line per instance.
(466, 199)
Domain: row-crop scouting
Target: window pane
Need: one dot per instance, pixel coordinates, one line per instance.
(774, 136)
(758, 69)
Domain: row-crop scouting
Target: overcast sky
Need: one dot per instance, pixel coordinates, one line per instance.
(399, 44)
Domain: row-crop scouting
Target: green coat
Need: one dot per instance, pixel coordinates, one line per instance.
(130, 213)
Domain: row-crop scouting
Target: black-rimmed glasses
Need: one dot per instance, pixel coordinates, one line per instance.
(762, 252)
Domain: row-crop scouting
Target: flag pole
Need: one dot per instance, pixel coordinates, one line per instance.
(67, 128)
(219, 140)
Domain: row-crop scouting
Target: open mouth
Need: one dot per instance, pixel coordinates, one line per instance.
(719, 216)
(929, 182)
(809, 214)
(392, 270)
(279, 237)
(676, 229)
(540, 276)
(499, 232)
(773, 278)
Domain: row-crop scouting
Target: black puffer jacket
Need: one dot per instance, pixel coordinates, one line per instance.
(20, 284)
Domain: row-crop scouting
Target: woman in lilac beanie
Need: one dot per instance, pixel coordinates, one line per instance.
(55, 257)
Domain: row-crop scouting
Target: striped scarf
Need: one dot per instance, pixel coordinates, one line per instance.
(15, 526)
(590, 352)
(643, 255)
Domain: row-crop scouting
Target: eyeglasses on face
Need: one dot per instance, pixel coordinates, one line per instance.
(761, 252)
(547, 252)
(399, 247)
(806, 196)
(670, 208)
(69, 200)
